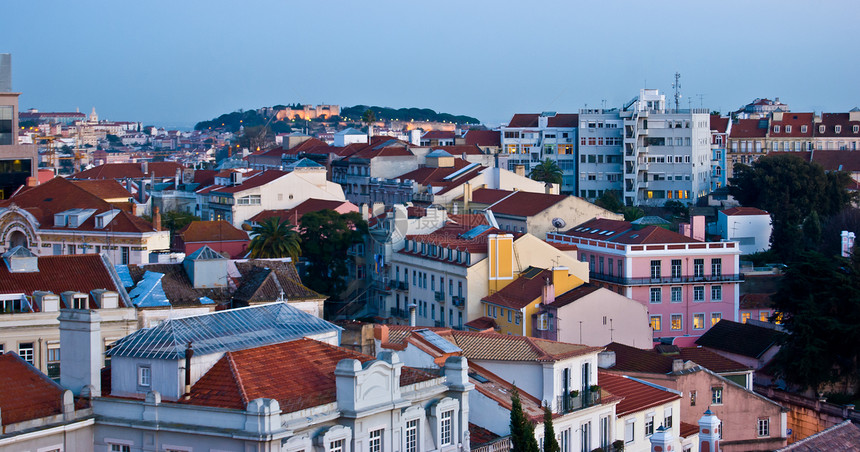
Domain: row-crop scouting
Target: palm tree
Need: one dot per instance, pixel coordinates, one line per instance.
(368, 118)
(274, 238)
(547, 171)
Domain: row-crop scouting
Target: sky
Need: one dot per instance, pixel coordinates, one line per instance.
(174, 63)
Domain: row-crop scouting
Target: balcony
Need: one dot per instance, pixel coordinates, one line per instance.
(382, 286)
(400, 285)
(399, 313)
(739, 277)
(458, 300)
(577, 400)
(440, 296)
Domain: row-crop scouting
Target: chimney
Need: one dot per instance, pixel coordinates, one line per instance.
(177, 179)
(413, 317)
(365, 211)
(32, 181)
(520, 170)
(709, 436)
(467, 196)
(548, 188)
(677, 365)
(81, 360)
(847, 243)
(144, 167)
(156, 218)
(189, 353)
(661, 440)
(548, 291)
(697, 222)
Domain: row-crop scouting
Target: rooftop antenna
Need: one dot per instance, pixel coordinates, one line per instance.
(701, 100)
(677, 87)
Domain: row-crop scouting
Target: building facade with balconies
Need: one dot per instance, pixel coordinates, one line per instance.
(687, 284)
(529, 139)
(600, 152)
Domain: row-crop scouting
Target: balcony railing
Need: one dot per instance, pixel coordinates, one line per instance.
(399, 313)
(440, 296)
(739, 277)
(576, 400)
(400, 285)
(458, 300)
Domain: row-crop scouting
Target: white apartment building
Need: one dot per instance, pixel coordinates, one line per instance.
(600, 152)
(529, 139)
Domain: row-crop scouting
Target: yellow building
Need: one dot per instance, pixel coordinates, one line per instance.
(514, 306)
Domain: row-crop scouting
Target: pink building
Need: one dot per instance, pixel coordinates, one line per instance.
(688, 285)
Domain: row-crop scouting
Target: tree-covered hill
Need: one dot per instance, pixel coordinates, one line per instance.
(405, 114)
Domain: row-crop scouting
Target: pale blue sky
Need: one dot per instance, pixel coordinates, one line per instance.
(179, 62)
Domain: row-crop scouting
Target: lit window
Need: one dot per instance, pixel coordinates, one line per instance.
(692, 398)
(543, 321)
(698, 321)
(764, 427)
(716, 317)
(656, 322)
(745, 316)
(445, 427)
(676, 321)
(764, 316)
(717, 395)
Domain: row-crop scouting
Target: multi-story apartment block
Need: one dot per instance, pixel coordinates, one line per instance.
(837, 131)
(529, 139)
(687, 284)
(747, 141)
(720, 129)
(17, 161)
(790, 132)
(667, 152)
(600, 152)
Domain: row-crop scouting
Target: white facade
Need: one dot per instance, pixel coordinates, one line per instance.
(528, 146)
(600, 152)
(349, 136)
(752, 232)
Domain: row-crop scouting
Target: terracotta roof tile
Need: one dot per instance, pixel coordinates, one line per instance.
(637, 396)
(719, 123)
(756, 301)
(749, 128)
(526, 204)
(484, 137)
(32, 396)
(687, 430)
(78, 272)
(288, 279)
(574, 294)
(841, 437)
(242, 376)
(795, 121)
(129, 170)
(295, 214)
(631, 359)
(531, 120)
(460, 149)
(481, 324)
(523, 290)
(104, 188)
(744, 211)
(831, 120)
(479, 435)
(837, 160)
(740, 338)
(623, 232)
(177, 286)
(211, 231)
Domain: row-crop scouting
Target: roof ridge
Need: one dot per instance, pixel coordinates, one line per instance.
(237, 378)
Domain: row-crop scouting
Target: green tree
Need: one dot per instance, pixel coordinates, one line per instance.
(113, 140)
(522, 430)
(819, 304)
(175, 220)
(610, 200)
(368, 117)
(547, 171)
(326, 236)
(632, 213)
(790, 189)
(550, 444)
(255, 137)
(273, 238)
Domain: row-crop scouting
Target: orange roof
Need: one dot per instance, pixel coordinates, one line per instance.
(522, 291)
(211, 231)
(30, 394)
(831, 120)
(743, 211)
(245, 375)
(795, 121)
(129, 170)
(749, 128)
(719, 123)
(484, 137)
(79, 272)
(637, 396)
(623, 232)
(251, 180)
(526, 204)
(104, 188)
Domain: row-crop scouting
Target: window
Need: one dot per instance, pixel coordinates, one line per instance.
(717, 395)
(676, 268)
(698, 321)
(79, 302)
(764, 316)
(716, 293)
(656, 323)
(124, 257)
(667, 418)
(837, 129)
(655, 269)
(775, 129)
(716, 267)
(376, 440)
(698, 268)
(25, 351)
(649, 425)
(144, 376)
(676, 321)
(692, 398)
(698, 293)
(656, 294)
(629, 431)
(412, 436)
(803, 129)
(677, 295)
(336, 446)
(764, 427)
(120, 448)
(716, 317)
(510, 315)
(745, 316)
(54, 362)
(445, 427)
(543, 321)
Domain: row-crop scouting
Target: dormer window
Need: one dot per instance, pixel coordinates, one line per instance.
(775, 129)
(803, 129)
(821, 129)
(787, 129)
(837, 129)
(79, 302)
(856, 129)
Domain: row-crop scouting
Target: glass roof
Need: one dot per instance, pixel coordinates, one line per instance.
(438, 341)
(222, 331)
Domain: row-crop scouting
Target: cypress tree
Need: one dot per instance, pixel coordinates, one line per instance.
(550, 444)
(522, 430)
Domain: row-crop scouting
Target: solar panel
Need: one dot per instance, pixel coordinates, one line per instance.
(474, 232)
(439, 342)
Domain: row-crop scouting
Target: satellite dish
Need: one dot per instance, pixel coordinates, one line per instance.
(558, 223)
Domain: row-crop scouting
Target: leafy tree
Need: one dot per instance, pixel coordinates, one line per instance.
(677, 208)
(819, 303)
(326, 236)
(522, 430)
(610, 200)
(550, 444)
(274, 238)
(254, 137)
(113, 139)
(547, 171)
(175, 220)
(633, 213)
(790, 189)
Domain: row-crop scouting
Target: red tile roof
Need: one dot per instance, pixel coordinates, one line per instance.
(687, 430)
(743, 211)
(526, 204)
(450, 236)
(488, 195)
(104, 188)
(242, 376)
(129, 170)
(838, 160)
(211, 231)
(631, 359)
(484, 137)
(749, 128)
(623, 232)
(574, 294)
(482, 324)
(29, 393)
(795, 121)
(719, 123)
(637, 396)
(78, 272)
(831, 120)
(531, 120)
(523, 290)
(755, 301)
(59, 195)
(460, 149)
(435, 176)
(841, 437)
